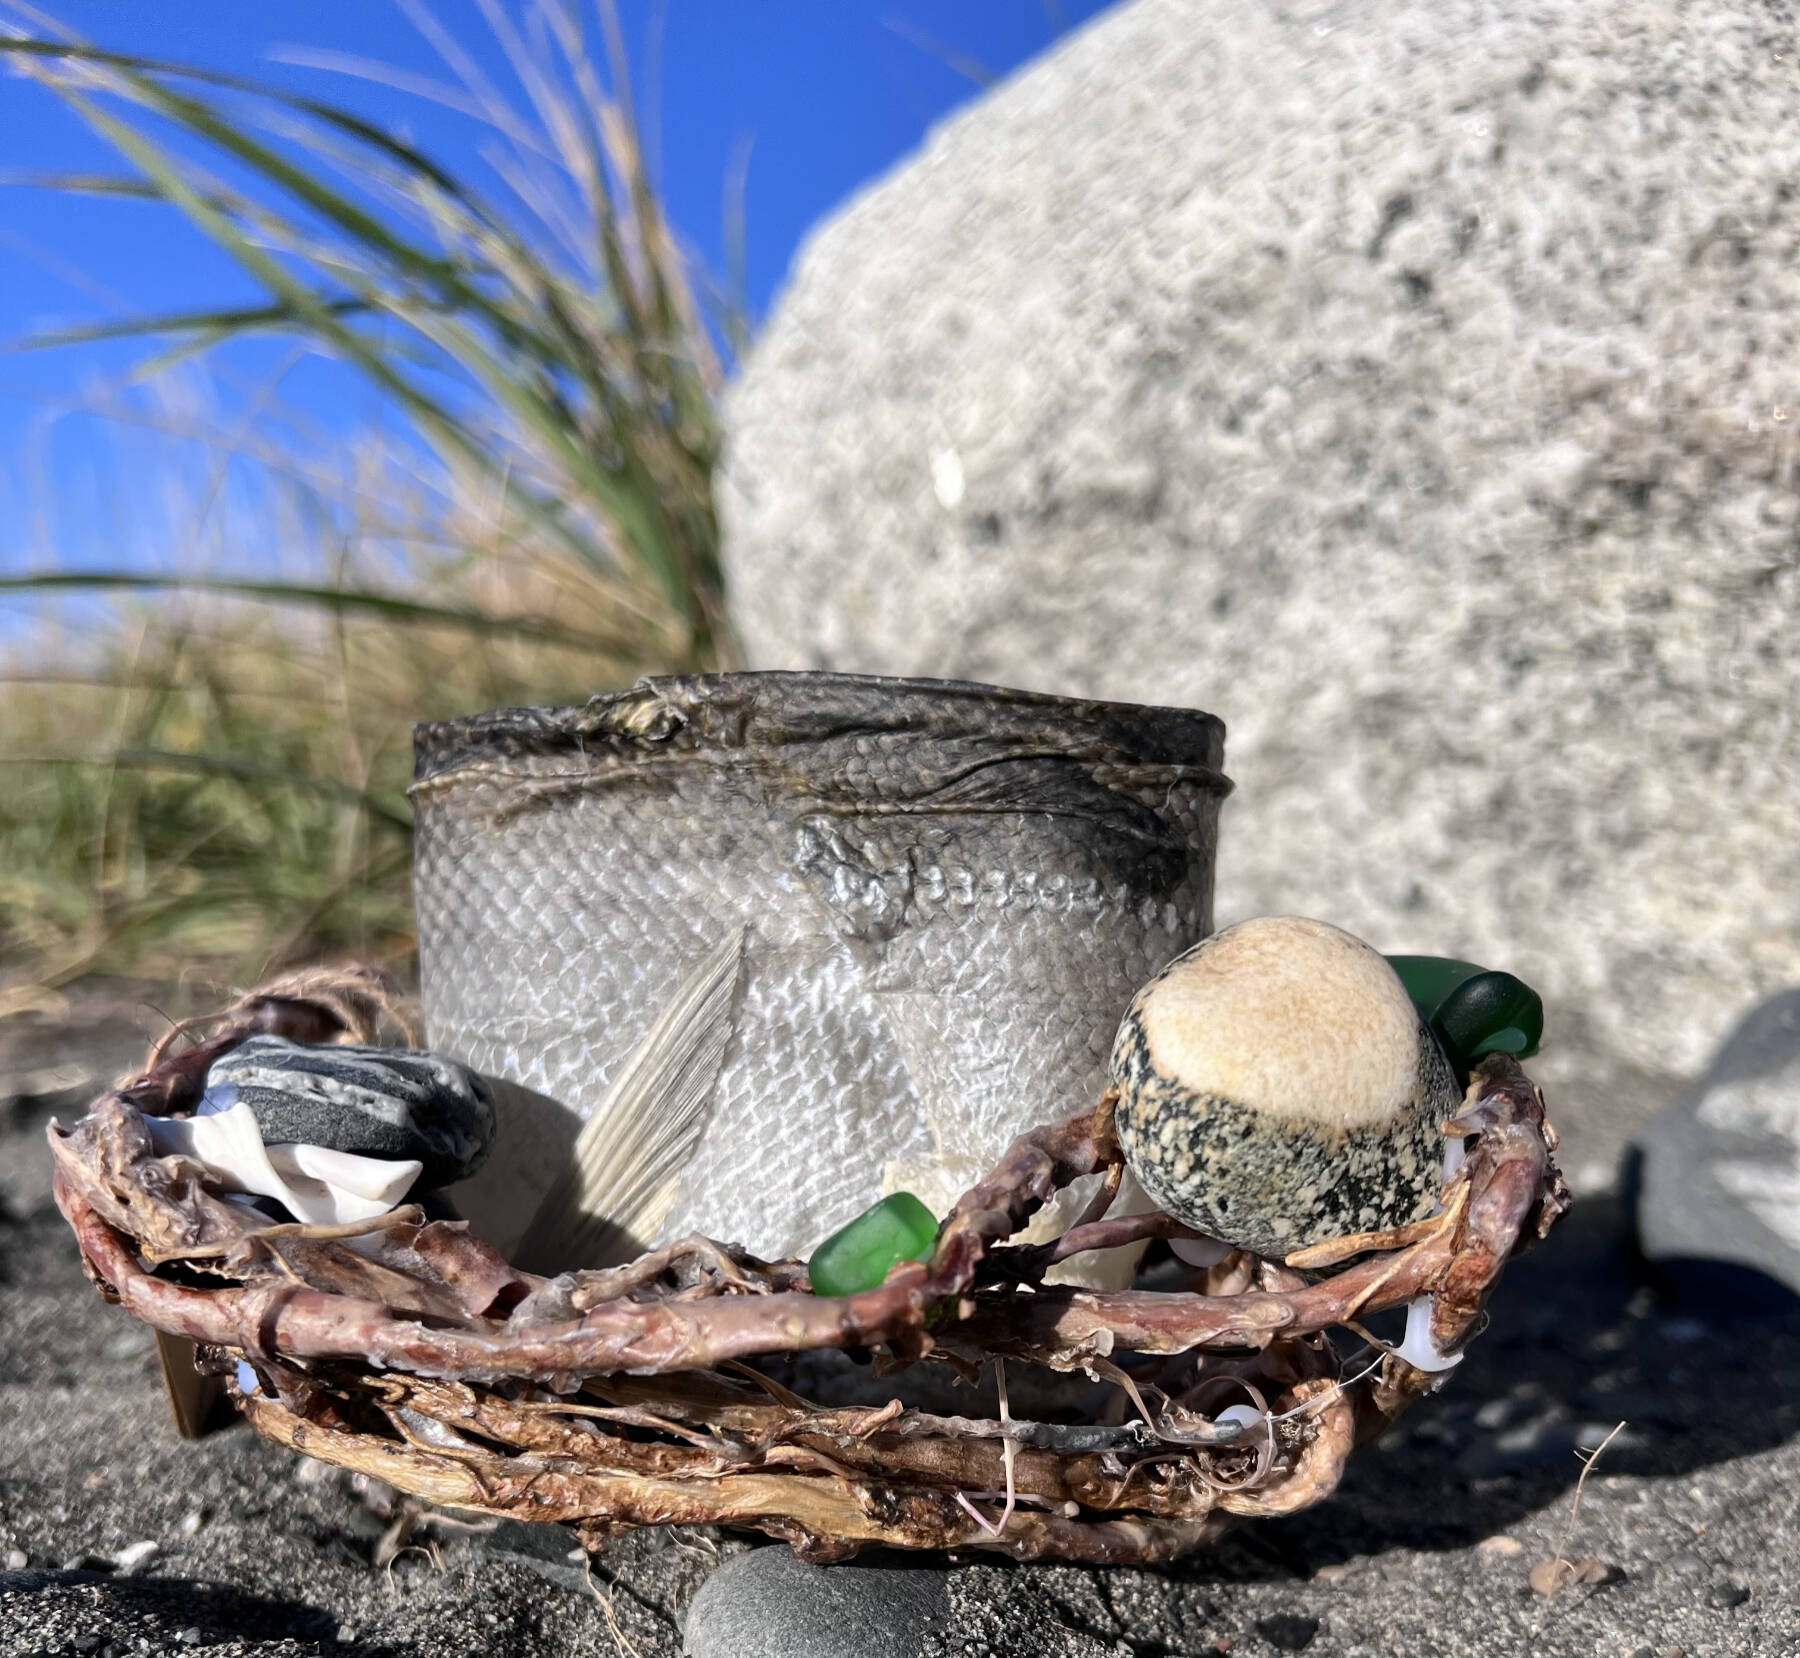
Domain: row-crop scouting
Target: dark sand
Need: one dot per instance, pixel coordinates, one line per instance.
(1694, 1511)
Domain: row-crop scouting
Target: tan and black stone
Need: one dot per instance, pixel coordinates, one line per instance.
(1278, 1088)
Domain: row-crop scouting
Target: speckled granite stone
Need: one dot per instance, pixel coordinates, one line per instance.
(1278, 1088)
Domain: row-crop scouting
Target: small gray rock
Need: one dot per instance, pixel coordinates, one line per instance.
(1542, 1442)
(377, 1102)
(132, 1559)
(1685, 1564)
(548, 1551)
(1288, 1631)
(1719, 1180)
(767, 1604)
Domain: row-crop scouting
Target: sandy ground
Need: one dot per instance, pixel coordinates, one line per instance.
(1692, 1511)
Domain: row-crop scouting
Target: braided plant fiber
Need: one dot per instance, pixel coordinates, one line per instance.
(410, 1350)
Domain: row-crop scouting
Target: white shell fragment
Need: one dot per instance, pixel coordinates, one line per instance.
(1418, 1348)
(317, 1185)
(1200, 1252)
(1247, 1418)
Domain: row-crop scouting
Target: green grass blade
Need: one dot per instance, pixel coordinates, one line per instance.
(131, 62)
(387, 606)
(243, 319)
(83, 184)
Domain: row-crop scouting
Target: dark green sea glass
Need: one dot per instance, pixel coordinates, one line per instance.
(1429, 979)
(858, 1257)
(1473, 1010)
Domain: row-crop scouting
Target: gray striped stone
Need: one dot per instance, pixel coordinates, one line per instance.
(377, 1102)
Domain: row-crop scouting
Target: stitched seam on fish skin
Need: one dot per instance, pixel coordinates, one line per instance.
(594, 769)
(561, 729)
(778, 824)
(597, 771)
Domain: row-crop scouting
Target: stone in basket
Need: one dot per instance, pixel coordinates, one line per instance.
(1125, 1423)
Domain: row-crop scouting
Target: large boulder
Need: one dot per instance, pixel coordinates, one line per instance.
(1412, 385)
(1719, 1166)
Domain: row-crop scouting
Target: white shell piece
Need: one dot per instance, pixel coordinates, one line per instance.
(1201, 1252)
(318, 1185)
(1418, 1349)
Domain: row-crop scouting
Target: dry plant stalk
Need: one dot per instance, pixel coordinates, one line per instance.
(1550, 1577)
(628, 1396)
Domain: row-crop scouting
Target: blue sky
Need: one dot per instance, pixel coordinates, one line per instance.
(827, 94)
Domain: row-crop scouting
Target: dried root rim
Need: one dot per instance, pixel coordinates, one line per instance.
(607, 1399)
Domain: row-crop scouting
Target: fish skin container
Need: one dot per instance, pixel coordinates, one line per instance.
(950, 893)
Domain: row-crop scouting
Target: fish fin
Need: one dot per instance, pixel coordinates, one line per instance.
(625, 1164)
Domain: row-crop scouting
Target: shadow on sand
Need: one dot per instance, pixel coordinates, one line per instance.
(1701, 1362)
(152, 1610)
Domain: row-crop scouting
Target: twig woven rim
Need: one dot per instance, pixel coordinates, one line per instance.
(411, 1350)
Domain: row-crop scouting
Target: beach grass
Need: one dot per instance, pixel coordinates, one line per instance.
(203, 758)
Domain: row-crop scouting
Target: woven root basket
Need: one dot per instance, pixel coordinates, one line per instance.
(640, 1395)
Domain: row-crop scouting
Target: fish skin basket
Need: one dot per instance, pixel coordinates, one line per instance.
(639, 1395)
(947, 894)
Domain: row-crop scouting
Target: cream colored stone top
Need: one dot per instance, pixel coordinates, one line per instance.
(1289, 1016)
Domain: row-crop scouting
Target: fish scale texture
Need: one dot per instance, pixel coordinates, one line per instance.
(950, 894)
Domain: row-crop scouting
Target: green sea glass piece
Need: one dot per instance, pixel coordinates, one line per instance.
(859, 1256)
(1473, 1010)
(1491, 1013)
(1429, 979)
